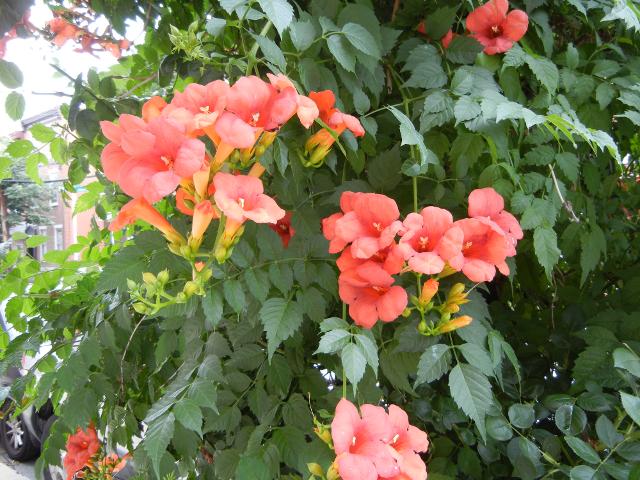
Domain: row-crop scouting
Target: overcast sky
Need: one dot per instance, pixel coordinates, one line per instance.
(34, 56)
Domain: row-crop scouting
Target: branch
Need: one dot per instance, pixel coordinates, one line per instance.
(567, 206)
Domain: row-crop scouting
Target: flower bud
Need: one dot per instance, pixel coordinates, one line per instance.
(163, 277)
(323, 432)
(332, 473)
(423, 328)
(148, 277)
(315, 469)
(456, 323)
(131, 285)
(140, 307)
(429, 289)
(191, 288)
(181, 298)
(456, 290)
(406, 312)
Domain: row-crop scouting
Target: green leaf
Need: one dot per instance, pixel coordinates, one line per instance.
(361, 39)
(32, 165)
(499, 429)
(215, 26)
(570, 419)
(383, 172)
(280, 12)
(436, 111)
(128, 263)
(521, 415)
(477, 356)
(607, 433)
(354, 363)
(188, 413)
(213, 307)
(19, 148)
(333, 341)
(434, 362)
(622, 10)
(569, 164)
(10, 74)
(466, 109)
(342, 52)
(471, 391)
(42, 133)
(302, 34)
(425, 66)
(271, 52)
(36, 240)
(281, 318)
(14, 105)
(545, 244)
(593, 244)
(463, 49)
(582, 472)
(437, 24)
(234, 295)
(252, 467)
(540, 213)
(627, 360)
(545, 71)
(631, 405)
(369, 350)
(58, 149)
(410, 136)
(157, 438)
(583, 450)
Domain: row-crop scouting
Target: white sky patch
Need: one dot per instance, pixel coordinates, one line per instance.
(34, 55)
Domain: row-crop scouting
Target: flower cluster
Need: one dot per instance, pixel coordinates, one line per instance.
(430, 243)
(161, 153)
(492, 25)
(376, 445)
(22, 24)
(63, 30)
(83, 458)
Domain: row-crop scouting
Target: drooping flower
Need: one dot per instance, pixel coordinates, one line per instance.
(389, 258)
(430, 240)
(429, 290)
(81, 447)
(319, 144)
(360, 442)
(487, 203)
(374, 444)
(496, 29)
(140, 209)
(369, 291)
(203, 214)
(149, 160)
(408, 441)
(284, 229)
(369, 222)
(252, 107)
(199, 106)
(241, 198)
(484, 249)
(63, 30)
(307, 110)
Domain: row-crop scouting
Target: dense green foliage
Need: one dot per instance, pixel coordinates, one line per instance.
(545, 382)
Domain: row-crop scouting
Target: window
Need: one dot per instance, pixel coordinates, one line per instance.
(53, 202)
(42, 249)
(58, 237)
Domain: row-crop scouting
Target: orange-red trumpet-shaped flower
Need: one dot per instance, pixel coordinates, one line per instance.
(81, 447)
(456, 323)
(369, 291)
(496, 29)
(63, 30)
(150, 159)
(203, 214)
(319, 144)
(152, 108)
(140, 209)
(374, 444)
(429, 290)
(241, 198)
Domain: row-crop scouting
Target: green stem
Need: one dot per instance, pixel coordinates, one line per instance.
(254, 49)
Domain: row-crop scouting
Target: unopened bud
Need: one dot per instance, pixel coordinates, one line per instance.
(315, 469)
(185, 251)
(332, 473)
(406, 312)
(131, 285)
(181, 297)
(206, 274)
(429, 289)
(148, 277)
(456, 323)
(456, 290)
(191, 288)
(260, 149)
(163, 277)
(323, 432)
(140, 307)
(446, 271)
(423, 328)
(451, 308)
